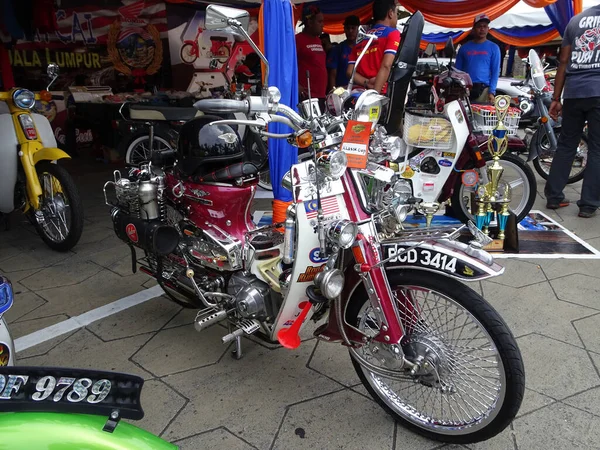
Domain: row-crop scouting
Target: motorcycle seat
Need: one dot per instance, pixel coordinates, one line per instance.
(164, 158)
(168, 113)
(229, 173)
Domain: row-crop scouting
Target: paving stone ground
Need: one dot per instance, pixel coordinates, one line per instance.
(197, 396)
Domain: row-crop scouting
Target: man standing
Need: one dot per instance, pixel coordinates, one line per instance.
(337, 60)
(374, 68)
(480, 58)
(311, 55)
(579, 74)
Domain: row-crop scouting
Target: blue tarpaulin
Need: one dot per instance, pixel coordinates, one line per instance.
(280, 50)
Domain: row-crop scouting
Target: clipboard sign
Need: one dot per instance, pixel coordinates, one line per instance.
(356, 144)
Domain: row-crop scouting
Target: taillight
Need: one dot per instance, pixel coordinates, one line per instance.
(28, 126)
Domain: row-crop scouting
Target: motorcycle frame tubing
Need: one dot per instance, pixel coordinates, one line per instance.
(31, 151)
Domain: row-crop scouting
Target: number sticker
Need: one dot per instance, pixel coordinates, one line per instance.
(100, 391)
(67, 382)
(80, 389)
(44, 388)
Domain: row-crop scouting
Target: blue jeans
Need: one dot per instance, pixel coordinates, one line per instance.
(575, 112)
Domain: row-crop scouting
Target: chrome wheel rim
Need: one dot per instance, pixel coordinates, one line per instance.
(55, 215)
(472, 384)
(139, 150)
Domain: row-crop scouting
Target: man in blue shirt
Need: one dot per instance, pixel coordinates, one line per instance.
(337, 59)
(480, 58)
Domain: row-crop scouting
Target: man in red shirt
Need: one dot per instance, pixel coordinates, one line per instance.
(374, 68)
(311, 55)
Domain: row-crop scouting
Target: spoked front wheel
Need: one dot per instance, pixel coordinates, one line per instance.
(59, 221)
(464, 378)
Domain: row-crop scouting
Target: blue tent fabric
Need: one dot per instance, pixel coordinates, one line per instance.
(280, 50)
(560, 13)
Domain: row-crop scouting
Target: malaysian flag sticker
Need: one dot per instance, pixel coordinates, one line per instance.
(330, 207)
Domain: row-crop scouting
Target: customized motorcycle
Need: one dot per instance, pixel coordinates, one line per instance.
(431, 351)
(447, 142)
(30, 179)
(543, 141)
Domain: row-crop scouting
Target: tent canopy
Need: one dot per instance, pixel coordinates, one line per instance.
(519, 16)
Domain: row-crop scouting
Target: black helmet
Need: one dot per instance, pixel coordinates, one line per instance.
(203, 148)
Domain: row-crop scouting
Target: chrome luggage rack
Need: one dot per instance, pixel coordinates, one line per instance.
(433, 233)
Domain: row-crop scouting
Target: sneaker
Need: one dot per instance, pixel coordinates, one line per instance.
(586, 213)
(557, 205)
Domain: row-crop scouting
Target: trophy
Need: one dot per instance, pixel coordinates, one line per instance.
(490, 201)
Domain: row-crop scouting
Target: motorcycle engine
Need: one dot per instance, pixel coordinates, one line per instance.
(253, 297)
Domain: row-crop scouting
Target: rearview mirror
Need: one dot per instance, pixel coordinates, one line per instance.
(431, 49)
(226, 19)
(53, 70)
(449, 48)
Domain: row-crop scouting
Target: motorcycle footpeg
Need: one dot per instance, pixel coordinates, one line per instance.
(248, 326)
(205, 319)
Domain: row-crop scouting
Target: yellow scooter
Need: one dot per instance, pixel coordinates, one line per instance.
(30, 178)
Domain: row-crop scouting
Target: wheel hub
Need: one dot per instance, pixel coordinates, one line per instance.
(428, 354)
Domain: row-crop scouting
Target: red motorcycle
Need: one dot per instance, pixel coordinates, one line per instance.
(220, 49)
(417, 336)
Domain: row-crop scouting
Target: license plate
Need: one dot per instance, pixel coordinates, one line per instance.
(70, 390)
(431, 260)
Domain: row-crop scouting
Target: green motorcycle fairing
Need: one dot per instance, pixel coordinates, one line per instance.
(58, 431)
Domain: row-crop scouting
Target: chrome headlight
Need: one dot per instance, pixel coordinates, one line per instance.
(401, 212)
(330, 283)
(369, 107)
(24, 99)
(333, 164)
(342, 233)
(394, 146)
(402, 191)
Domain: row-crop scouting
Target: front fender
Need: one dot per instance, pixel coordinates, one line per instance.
(49, 154)
(73, 431)
(446, 257)
(32, 152)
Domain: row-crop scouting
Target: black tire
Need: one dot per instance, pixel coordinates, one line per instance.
(183, 300)
(544, 170)
(70, 191)
(497, 330)
(459, 209)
